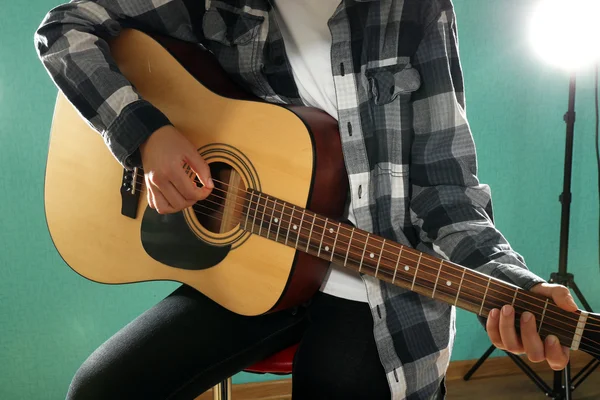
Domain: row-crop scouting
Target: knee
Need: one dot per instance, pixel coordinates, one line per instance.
(90, 382)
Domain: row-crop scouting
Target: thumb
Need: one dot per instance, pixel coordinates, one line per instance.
(201, 168)
(562, 297)
(560, 294)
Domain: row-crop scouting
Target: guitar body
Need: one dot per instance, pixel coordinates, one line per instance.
(293, 154)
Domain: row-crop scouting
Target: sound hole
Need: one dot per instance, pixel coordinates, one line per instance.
(222, 211)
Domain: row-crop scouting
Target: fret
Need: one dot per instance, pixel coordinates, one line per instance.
(322, 236)
(262, 219)
(363, 254)
(256, 211)
(416, 272)
(460, 286)
(514, 297)
(348, 250)
(397, 262)
(280, 222)
(485, 295)
(543, 315)
(379, 260)
(287, 236)
(579, 330)
(312, 226)
(272, 216)
(437, 278)
(335, 241)
(300, 228)
(248, 210)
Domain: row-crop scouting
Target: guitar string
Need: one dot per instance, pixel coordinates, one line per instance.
(564, 338)
(372, 241)
(424, 257)
(560, 311)
(389, 274)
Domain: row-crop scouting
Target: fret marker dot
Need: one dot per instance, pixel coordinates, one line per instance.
(372, 255)
(276, 220)
(326, 248)
(448, 283)
(330, 230)
(406, 268)
(295, 227)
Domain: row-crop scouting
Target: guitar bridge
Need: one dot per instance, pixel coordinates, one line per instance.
(130, 192)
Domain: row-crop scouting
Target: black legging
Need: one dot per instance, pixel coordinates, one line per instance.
(186, 344)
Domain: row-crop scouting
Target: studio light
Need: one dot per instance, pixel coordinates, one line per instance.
(566, 33)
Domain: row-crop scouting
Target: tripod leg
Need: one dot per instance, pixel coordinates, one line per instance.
(530, 374)
(479, 362)
(567, 385)
(584, 373)
(557, 389)
(584, 302)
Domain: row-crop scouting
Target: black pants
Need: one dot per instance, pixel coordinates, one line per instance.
(186, 344)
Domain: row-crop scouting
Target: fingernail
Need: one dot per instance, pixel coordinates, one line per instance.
(210, 183)
(551, 340)
(507, 310)
(494, 313)
(526, 317)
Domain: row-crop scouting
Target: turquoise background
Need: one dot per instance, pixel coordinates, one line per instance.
(51, 319)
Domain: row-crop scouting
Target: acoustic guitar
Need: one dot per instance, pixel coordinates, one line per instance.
(264, 238)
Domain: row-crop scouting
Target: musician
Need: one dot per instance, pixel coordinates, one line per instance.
(389, 73)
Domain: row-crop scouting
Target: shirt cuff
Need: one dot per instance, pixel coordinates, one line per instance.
(516, 275)
(132, 127)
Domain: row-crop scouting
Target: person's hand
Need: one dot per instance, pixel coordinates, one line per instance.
(501, 329)
(170, 189)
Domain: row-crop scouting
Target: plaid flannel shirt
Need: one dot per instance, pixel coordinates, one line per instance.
(408, 148)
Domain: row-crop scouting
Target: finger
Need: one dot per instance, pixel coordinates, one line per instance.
(201, 168)
(555, 354)
(161, 204)
(532, 343)
(507, 330)
(187, 188)
(172, 195)
(150, 194)
(493, 329)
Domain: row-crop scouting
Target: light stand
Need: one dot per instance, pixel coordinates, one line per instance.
(563, 383)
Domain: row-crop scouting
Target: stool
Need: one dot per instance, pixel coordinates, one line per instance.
(279, 363)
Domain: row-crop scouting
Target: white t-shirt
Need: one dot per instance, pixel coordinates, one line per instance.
(307, 42)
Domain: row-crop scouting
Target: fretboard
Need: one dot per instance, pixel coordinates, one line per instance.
(400, 265)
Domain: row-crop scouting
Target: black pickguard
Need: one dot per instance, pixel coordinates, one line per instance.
(168, 239)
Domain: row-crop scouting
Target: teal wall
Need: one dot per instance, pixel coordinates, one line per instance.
(51, 319)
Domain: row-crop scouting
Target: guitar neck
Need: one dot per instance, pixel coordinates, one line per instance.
(400, 265)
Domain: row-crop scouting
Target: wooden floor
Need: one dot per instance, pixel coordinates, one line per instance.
(515, 387)
(497, 379)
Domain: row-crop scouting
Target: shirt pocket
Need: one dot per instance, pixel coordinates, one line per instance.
(234, 35)
(387, 83)
(230, 26)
